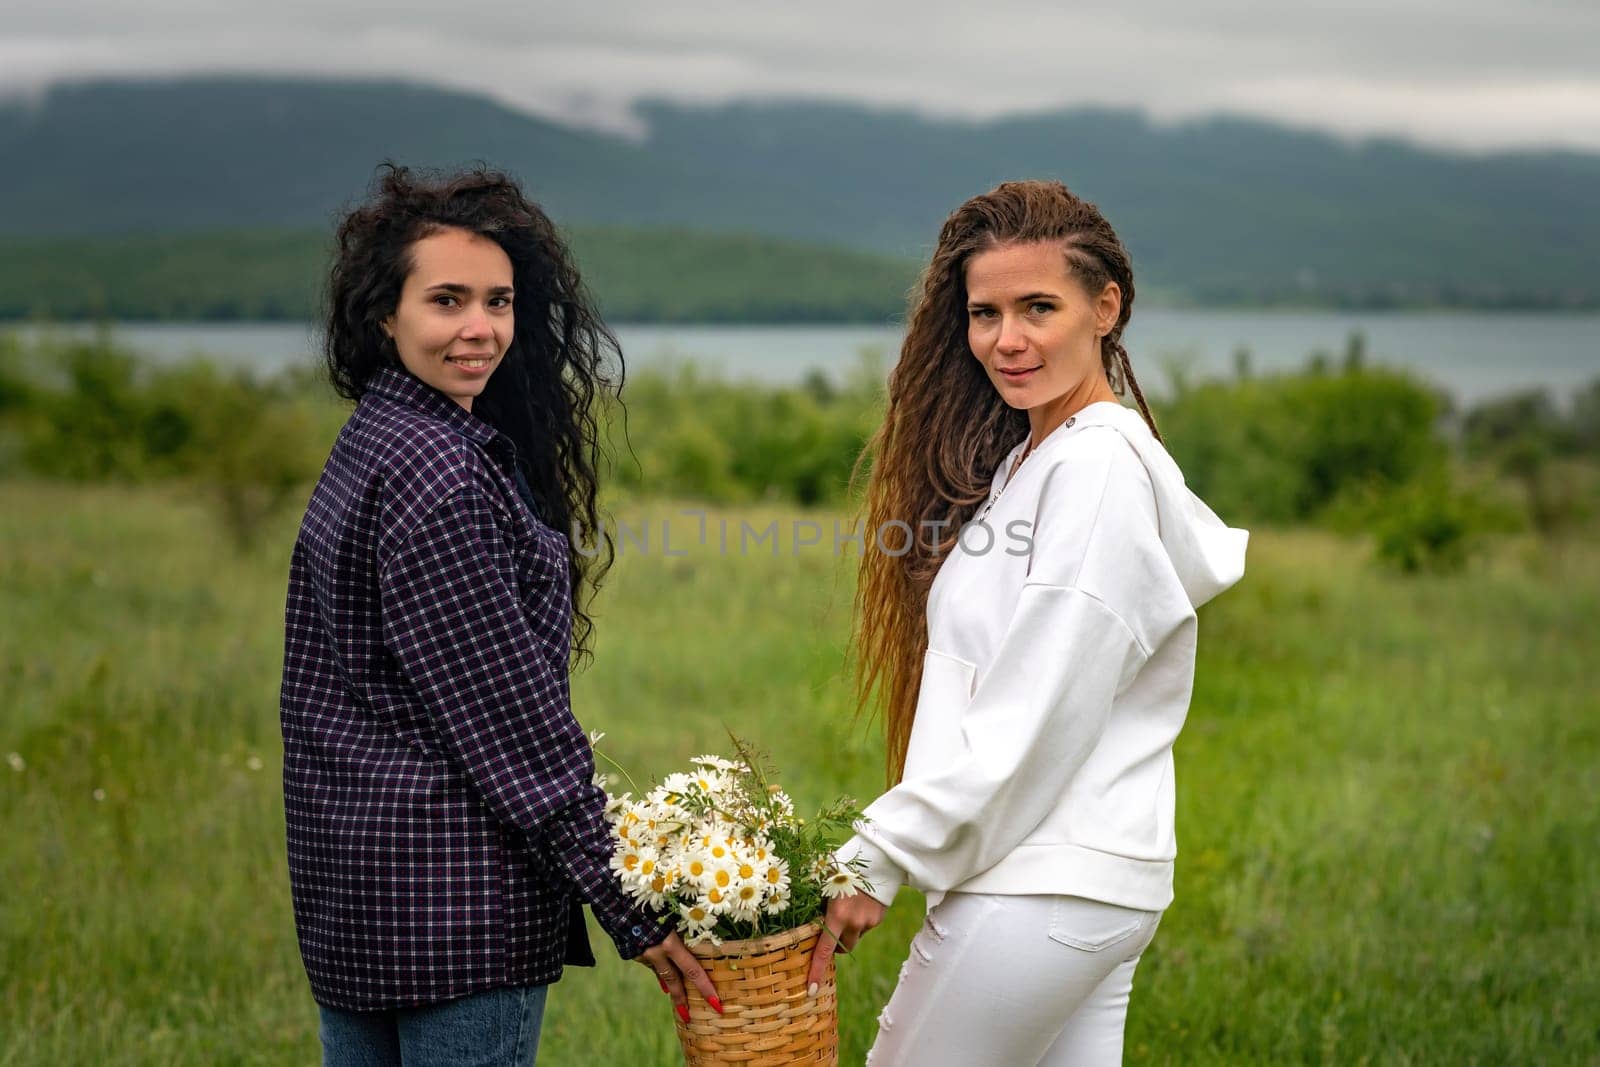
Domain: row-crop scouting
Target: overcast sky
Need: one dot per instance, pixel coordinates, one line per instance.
(1461, 73)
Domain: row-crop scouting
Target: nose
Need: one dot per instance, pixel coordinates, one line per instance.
(1011, 338)
(476, 325)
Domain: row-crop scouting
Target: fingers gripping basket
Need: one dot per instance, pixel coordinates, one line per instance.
(767, 1018)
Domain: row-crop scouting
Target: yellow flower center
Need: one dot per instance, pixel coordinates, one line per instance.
(723, 879)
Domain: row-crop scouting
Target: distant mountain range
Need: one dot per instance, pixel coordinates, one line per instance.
(1215, 211)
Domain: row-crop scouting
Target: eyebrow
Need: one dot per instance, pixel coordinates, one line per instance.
(462, 290)
(1019, 300)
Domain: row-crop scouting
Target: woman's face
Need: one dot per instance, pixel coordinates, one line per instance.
(454, 320)
(1034, 329)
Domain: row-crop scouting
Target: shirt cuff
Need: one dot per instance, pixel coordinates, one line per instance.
(882, 875)
(637, 931)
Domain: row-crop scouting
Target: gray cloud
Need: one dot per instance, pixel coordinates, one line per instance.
(1470, 73)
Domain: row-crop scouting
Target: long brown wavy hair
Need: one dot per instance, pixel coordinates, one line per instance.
(946, 429)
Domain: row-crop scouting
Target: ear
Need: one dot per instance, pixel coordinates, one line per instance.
(1107, 308)
(387, 325)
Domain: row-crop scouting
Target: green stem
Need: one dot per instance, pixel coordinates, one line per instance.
(624, 771)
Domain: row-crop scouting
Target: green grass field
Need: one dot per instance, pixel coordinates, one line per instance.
(1390, 844)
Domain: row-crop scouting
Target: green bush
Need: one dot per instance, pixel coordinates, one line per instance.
(1530, 442)
(1431, 525)
(704, 437)
(1359, 448)
(1283, 448)
(98, 414)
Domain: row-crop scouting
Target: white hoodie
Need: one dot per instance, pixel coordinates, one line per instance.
(1056, 680)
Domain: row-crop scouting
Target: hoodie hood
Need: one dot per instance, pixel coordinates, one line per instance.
(1207, 553)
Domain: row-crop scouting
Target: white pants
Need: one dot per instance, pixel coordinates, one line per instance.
(1012, 981)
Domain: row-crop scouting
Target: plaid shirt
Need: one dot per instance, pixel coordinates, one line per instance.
(442, 820)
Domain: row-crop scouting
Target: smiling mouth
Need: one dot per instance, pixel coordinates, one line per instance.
(470, 362)
(1018, 372)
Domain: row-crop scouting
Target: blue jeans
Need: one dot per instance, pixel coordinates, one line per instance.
(495, 1028)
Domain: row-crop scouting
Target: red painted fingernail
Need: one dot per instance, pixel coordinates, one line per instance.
(662, 984)
(683, 1013)
(715, 1004)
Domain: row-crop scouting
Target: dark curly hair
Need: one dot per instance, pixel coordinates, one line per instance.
(562, 362)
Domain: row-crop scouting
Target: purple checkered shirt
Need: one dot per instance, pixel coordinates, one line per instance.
(442, 820)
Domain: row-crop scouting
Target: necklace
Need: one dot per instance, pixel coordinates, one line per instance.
(1012, 476)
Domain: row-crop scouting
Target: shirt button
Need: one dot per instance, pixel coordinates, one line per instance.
(638, 931)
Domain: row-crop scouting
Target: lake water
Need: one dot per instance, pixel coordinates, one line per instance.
(1472, 355)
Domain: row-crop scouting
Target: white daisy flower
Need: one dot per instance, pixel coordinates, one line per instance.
(746, 869)
(775, 876)
(626, 860)
(721, 875)
(718, 848)
(719, 900)
(745, 901)
(674, 785)
(653, 891)
(777, 903)
(717, 763)
(711, 783)
(841, 882)
(698, 920)
(694, 868)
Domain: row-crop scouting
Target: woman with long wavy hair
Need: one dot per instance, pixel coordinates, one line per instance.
(1028, 626)
(444, 828)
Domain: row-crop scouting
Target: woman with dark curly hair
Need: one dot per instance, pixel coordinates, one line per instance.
(1033, 646)
(444, 827)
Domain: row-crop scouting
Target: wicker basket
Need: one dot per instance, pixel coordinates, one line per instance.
(767, 1018)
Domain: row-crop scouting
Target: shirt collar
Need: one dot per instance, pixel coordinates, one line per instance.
(403, 387)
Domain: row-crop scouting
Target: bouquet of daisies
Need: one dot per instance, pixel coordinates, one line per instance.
(720, 847)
